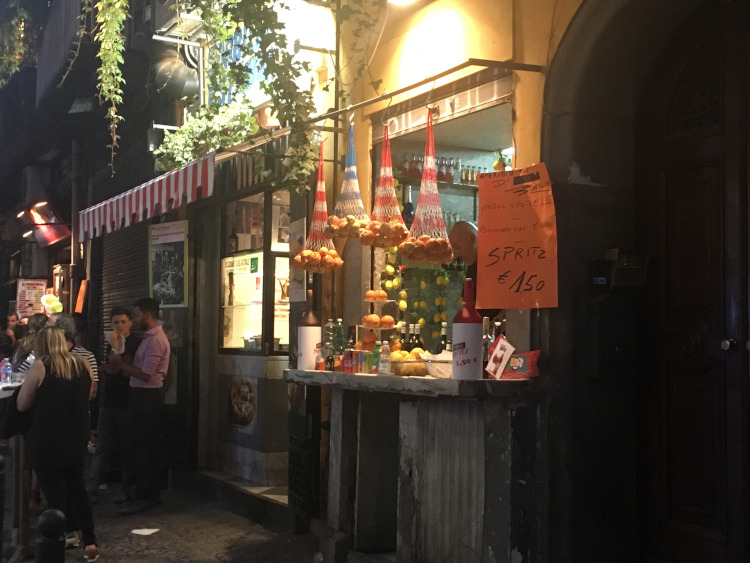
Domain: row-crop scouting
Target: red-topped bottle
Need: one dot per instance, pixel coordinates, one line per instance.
(467, 337)
(309, 333)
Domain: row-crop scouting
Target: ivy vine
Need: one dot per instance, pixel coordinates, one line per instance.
(249, 31)
(110, 20)
(17, 40)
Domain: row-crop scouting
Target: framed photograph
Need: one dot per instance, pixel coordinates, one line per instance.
(168, 268)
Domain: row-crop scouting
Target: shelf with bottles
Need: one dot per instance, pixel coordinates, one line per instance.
(443, 187)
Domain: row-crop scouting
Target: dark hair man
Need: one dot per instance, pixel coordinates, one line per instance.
(146, 377)
(113, 414)
(12, 322)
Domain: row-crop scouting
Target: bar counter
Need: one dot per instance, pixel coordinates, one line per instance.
(434, 469)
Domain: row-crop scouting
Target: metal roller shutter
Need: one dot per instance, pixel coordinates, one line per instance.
(124, 270)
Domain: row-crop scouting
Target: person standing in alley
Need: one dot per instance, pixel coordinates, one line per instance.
(146, 375)
(58, 386)
(113, 425)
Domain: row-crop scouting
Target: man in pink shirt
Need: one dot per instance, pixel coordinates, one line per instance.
(146, 375)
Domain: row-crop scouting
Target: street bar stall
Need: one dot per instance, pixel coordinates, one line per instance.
(437, 444)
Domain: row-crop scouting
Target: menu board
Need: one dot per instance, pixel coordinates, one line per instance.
(517, 240)
(29, 297)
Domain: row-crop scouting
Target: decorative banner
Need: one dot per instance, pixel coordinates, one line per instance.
(29, 297)
(168, 263)
(517, 246)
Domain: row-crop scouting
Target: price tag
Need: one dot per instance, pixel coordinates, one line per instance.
(517, 240)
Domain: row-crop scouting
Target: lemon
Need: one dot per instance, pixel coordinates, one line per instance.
(396, 283)
(423, 304)
(421, 321)
(422, 285)
(415, 305)
(498, 165)
(436, 334)
(394, 249)
(416, 351)
(438, 301)
(444, 316)
(402, 295)
(390, 270)
(402, 305)
(391, 258)
(388, 285)
(436, 318)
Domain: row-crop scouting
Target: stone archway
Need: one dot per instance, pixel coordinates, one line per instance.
(593, 90)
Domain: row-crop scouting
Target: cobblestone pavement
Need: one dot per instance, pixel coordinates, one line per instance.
(191, 526)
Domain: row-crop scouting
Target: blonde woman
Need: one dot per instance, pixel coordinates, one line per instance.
(58, 386)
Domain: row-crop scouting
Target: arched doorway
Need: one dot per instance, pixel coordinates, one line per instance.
(658, 449)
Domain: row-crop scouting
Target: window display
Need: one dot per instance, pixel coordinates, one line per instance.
(256, 254)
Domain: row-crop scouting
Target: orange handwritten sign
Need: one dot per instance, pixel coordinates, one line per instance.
(517, 243)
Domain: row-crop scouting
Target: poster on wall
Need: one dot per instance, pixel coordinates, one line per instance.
(517, 240)
(168, 275)
(29, 297)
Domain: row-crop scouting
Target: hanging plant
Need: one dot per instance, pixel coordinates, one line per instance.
(110, 20)
(211, 128)
(249, 46)
(17, 40)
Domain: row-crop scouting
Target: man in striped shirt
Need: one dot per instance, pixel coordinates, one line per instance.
(68, 324)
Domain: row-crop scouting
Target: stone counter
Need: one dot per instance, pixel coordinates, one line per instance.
(434, 469)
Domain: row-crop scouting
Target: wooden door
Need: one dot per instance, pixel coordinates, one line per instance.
(691, 202)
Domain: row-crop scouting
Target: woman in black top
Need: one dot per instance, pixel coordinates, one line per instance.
(58, 386)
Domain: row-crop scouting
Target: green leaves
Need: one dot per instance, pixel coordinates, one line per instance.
(263, 44)
(110, 19)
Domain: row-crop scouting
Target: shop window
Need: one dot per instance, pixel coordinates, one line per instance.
(255, 274)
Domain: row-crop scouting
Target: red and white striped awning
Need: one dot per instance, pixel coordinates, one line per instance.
(147, 200)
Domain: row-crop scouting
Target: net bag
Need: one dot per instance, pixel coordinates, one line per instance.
(349, 216)
(387, 227)
(428, 240)
(319, 255)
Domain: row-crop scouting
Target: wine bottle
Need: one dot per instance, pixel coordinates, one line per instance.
(487, 339)
(233, 242)
(408, 213)
(467, 337)
(404, 338)
(309, 334)
(443, 337)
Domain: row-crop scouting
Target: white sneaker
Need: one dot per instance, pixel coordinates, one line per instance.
(72, 539)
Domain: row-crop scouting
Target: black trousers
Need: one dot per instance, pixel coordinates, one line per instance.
(64, 488)
(143, 444)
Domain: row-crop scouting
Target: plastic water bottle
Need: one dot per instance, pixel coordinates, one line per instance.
(6, 371)
(385, 358)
